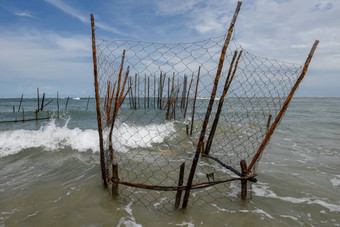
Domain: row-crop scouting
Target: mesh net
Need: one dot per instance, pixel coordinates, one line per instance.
(159, 122)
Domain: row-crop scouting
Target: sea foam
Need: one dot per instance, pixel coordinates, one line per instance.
(51, 137)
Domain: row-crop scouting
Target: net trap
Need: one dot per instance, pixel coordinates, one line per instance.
(186, 120)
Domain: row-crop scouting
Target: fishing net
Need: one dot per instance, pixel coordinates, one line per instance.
(164, 90)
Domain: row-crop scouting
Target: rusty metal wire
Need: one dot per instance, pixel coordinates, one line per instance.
(151, 134)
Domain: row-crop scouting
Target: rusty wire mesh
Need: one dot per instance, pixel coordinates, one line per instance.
(150, 139)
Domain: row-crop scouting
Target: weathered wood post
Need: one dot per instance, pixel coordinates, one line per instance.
(115, 178)
(87, 105)
(268, 122)
(180, 183)
(194, 104)
(212, 98)
(99, 118)
(22, 95)
(284, 107)
(243, 165)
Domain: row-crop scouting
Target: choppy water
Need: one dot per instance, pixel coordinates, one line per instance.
(50, 174)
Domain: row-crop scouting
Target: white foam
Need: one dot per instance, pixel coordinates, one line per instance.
(335, 182)
(49, 137)
(263, 191)
(130, 219)
(142, 136)
(52, 138)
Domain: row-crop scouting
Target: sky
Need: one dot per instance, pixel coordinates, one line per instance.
(47, 43)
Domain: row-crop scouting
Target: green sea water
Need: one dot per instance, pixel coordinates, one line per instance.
(50, 173)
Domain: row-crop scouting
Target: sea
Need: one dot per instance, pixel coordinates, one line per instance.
(50, 172)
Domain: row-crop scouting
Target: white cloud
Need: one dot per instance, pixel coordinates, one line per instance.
(25, 13)
(84, 19)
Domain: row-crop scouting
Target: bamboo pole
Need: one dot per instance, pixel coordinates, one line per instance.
(180, 183)
(22, 95)
(194, 104)
(284, 107)
(99, 120)
(212, 98)
(220, 104)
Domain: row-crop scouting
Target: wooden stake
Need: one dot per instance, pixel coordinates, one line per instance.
(194, 104)
(99, 120)
(20, 102)
(212, 98)
(66, 103)
(180, 183)
(148, 92)
(284, 107)
(58, 102)
(38, 98)
(268, 122)
(186, 104)
(220, 104)
(23, 114)
(115, 179)
(42, 102)
(243, 165)
(87, 105)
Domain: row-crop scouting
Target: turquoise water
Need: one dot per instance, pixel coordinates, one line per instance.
(50, 173)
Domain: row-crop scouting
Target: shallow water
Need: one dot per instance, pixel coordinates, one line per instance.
(50, 174)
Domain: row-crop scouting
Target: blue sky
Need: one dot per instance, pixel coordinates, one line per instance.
(47, 43)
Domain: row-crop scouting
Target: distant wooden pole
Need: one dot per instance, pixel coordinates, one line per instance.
(180, 183)
(66, 103)
(148, 92)
(194, 104)
(58, 102)
(99, 119)
(154, 91)
(212, 99)
(20, 102)
(144, 91)
(87, 105)
(284, 107)
(187, 101)
(38, 98)
(23, 114)
(13, 109)
(42, 102)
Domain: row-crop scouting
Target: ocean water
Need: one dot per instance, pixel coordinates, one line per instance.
(50, 173)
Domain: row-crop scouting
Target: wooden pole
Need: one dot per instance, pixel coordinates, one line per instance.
(58, 102)
(284, 107)
(144, 91)
(42, 102)
(38, 98)
(22, 95)
(243, 165)
(23, 114)
(115, 179)
(148, 92)
(194, 104)
(268, 122)
(87, 105)
(212, 98)
(220, 104)
(99, 120)
(180, 183)
(67, 103)
(13, 109)
(186, 104)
